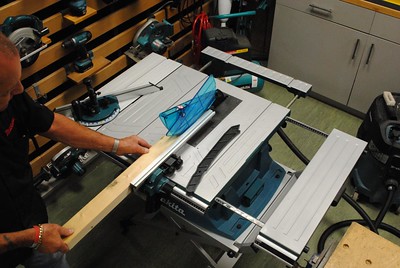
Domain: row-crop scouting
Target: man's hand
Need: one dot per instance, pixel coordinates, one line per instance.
(133, 145)
(52, 239)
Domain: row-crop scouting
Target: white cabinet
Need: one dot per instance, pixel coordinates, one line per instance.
(380, 67)
(328, 43)
(379, 71)
(309, 48)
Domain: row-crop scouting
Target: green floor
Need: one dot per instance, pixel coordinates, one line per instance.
(154, 243)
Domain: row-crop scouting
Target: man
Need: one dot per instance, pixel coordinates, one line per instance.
(23, 220)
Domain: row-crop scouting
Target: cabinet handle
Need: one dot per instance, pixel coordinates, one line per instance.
(355, 49)
(313, 6)
(369, 54)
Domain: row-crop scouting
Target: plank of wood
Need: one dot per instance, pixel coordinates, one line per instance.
(375, 7)
(23, 7)
(100, 206)
(361, 248)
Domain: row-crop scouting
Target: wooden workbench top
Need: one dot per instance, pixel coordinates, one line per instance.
(376, 7)
(361, 248)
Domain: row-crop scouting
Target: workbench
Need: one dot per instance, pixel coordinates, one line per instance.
(361, 248)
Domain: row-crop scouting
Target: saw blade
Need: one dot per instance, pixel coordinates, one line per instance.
(26, 42)
(142, 31)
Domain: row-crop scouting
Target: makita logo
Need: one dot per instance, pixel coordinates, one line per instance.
(173, 206)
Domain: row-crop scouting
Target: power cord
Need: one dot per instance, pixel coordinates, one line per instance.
(200, 24)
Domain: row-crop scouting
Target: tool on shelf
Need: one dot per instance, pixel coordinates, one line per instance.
(153, 36)
(84, 59)
(26, 32)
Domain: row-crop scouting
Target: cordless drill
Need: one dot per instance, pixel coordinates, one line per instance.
(77, 7)
(84, 60)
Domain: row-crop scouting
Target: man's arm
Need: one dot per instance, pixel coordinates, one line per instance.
(52, 239)
(75, 135)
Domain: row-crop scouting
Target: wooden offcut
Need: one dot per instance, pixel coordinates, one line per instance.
(361, 248)
(98, 208)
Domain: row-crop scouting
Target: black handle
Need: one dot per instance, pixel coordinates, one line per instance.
(355, 49)
(369, 54)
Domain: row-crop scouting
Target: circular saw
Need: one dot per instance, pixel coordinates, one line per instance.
(153, 36)
(26, 32)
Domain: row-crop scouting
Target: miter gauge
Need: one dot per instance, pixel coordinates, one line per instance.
(95, 111)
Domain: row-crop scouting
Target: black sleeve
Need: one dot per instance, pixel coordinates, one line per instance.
(39, 117)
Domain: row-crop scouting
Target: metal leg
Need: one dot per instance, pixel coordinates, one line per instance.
(223, 261)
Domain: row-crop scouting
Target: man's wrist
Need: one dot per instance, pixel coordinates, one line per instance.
(37, 241)
(115, 146)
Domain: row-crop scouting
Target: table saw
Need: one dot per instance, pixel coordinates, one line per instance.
(244, 200)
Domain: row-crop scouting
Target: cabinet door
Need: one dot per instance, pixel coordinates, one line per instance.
(379, 71)
(317, 51)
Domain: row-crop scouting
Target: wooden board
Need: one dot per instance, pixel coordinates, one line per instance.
(361, 248)
(100, 206)
(21, 7)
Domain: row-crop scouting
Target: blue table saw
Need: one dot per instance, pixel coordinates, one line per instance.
(244, 200)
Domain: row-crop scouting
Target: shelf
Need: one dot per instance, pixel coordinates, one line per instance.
(98, 63)
(75, 20)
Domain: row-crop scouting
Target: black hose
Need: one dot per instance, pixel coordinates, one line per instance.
(292, 146)
(361, 211)
(334, 227)
(386, 207)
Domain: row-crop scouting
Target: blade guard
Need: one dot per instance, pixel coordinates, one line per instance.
(179, 118)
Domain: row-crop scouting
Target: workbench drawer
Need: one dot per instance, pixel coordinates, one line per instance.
(386, 27)
(336, 11)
